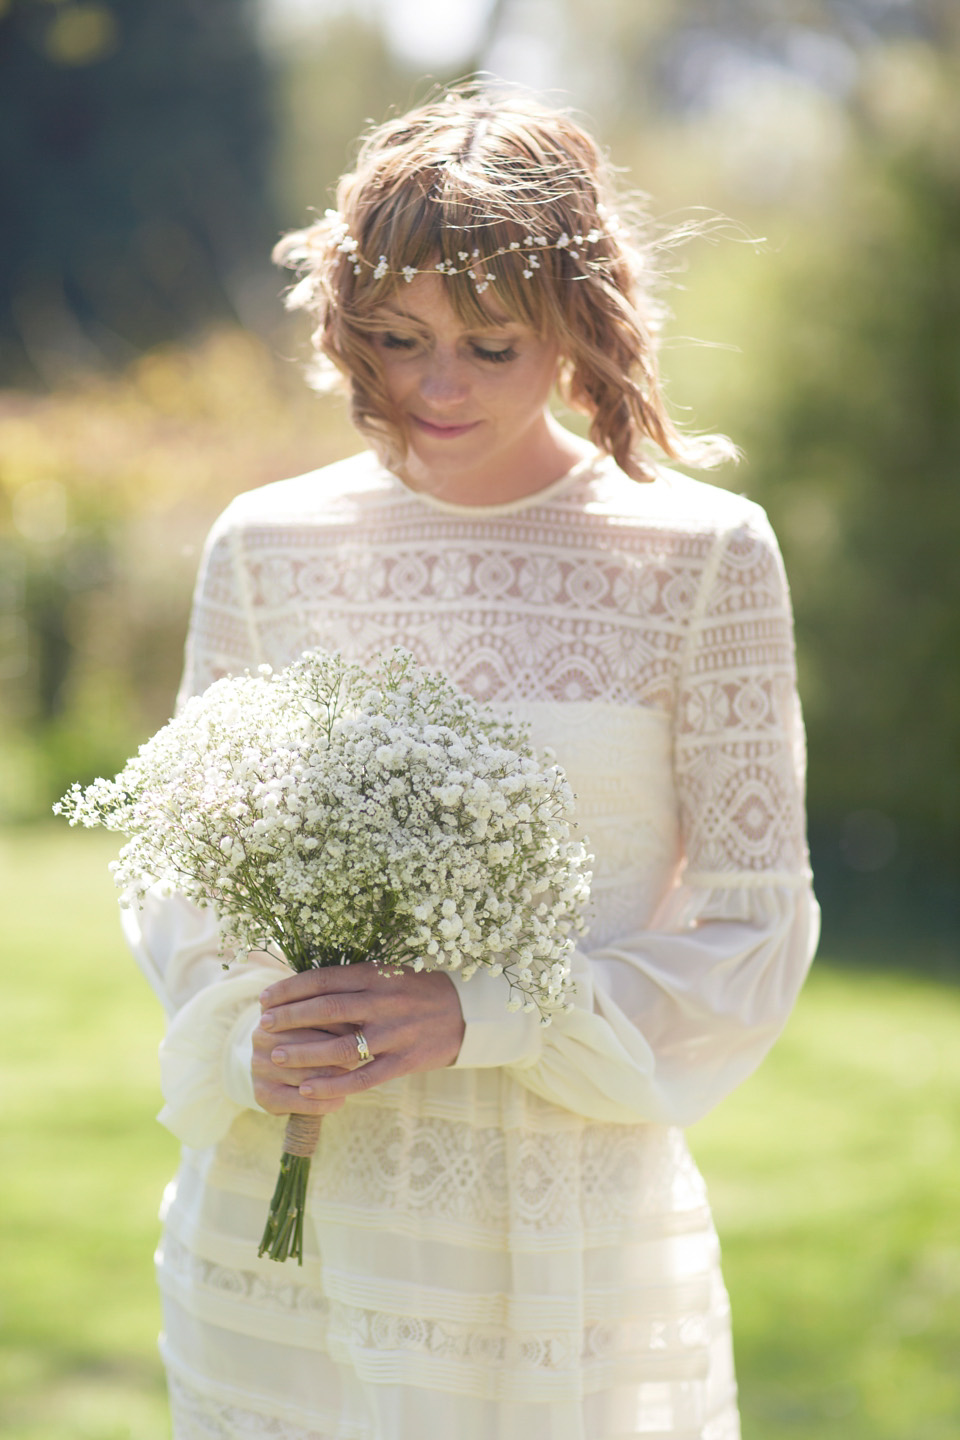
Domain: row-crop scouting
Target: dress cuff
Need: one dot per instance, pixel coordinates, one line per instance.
(494, 1035)
(201, 1057)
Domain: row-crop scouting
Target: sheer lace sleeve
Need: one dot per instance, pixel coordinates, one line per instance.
(222, 638)
(670, 1020)
(205, 1055)
(739, 745)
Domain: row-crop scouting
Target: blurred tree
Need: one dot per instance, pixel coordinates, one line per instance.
(335, 80)
(107, 487)
(858, 444)
(134, 194)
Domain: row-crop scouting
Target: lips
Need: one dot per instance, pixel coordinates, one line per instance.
(442, 432)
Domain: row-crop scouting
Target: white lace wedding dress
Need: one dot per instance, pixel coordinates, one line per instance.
(518, 1247)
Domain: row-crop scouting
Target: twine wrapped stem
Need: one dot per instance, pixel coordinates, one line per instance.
(283, 1234)
(302, 1135)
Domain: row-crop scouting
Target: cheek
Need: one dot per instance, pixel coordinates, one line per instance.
(392, 376)
(543, 367)
(532, 385)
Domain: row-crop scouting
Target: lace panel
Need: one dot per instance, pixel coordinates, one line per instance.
(524, 610)
(273, 1294)
(484, 1357)
(569, 604)
(739, 741)
(542, 1366)
(199, 1414)
(220, 640)
(543, 1186)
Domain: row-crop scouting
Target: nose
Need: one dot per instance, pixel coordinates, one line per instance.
(443, 383)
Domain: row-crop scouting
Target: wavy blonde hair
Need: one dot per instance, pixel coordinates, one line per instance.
(470, 171)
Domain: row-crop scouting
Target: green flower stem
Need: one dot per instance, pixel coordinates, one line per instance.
(283, 1234)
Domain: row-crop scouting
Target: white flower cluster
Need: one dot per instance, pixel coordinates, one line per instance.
(350, 815)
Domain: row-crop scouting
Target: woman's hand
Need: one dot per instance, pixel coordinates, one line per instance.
(410, 1022)
(276, 1089)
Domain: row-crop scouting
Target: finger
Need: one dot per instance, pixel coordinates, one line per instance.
(266, 1038)
(320, 1012)
(295, 1069)
(265, 1041)
(282, 1100)
(329, 979)
(353, 1082)
(341, 1051)
(263, 1068)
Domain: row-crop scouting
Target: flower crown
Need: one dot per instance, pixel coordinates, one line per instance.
(471, 262)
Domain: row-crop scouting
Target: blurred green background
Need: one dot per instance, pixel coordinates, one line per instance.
(149, 155)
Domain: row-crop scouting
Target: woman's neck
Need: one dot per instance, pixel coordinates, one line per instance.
(545, 455)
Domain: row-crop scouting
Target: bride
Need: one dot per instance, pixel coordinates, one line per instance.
(507, 1236)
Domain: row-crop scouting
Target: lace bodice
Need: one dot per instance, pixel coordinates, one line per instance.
(662, 608)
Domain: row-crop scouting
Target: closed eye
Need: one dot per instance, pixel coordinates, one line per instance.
(390, 341)
(496, 357)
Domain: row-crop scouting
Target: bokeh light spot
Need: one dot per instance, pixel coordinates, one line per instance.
(80, 34)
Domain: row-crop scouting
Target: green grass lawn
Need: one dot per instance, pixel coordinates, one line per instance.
(835, 1176)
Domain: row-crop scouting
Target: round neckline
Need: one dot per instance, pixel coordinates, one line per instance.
(507, 507)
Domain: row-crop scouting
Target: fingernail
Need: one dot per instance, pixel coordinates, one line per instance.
(278, 1056)
(266, 1020)
(308, 1091)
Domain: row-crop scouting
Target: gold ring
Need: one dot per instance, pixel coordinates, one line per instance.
(363, 1049)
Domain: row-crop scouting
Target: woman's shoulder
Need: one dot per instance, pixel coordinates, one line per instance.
(331, 493)
(676, 505)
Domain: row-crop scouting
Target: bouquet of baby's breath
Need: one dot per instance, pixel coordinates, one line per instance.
(341, 815)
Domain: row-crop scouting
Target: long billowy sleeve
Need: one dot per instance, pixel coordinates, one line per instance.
(205, 1054)
(668, 1021)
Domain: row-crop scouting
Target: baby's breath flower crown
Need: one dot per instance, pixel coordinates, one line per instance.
(335, 233)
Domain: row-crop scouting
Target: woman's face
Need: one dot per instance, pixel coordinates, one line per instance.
(473, 400)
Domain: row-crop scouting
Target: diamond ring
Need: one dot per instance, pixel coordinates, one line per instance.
(363, 1049)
